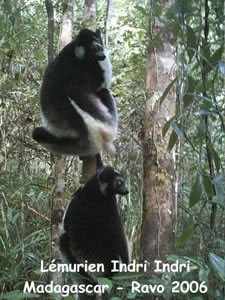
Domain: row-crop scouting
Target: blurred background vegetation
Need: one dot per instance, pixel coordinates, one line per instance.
(26, 179)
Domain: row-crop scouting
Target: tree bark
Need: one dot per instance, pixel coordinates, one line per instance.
(207, 132)
(90, 14)
(57, 209)
(50, 13)
(67, 24)
(108, 20)
(57, 205)
(159, 177)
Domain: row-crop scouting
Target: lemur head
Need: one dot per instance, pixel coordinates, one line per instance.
(111, 182)
(89, 45)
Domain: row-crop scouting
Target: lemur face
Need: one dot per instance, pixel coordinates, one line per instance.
(112, 182)
(90, 46)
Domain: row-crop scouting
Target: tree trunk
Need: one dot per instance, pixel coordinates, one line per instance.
(57, 205)
(50, 13)
(57, 208)
(90, 14)
(67, 24)
(159, 177)
(108, 20)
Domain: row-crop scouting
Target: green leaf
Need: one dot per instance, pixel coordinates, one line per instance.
(203, 112)
(203, 274)
(172, 140)
(185, 235)
(201, 128)
(221, 67)
(182, 260)
(165, 93)
(221, 242)
(156, 42)
(219, 197)
(142, 10)
(217, 56)
(188, 97)
(204, 56)
(218, 264)
(131, 295)
(157, 10)
(196, 192)
(219, 191)
(218, 178)
(126, 275)
(166, 128)
(178, 131)
(215, 157)
(105, 281)
(191, 41)
(199, 88)
(179, 7)
(175, 29)
(208, 186)
(17, 295)
(205, 99)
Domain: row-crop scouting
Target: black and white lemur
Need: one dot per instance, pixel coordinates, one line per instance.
(92, 225)
(79, 114)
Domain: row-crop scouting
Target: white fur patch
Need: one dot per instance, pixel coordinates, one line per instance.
(103, 187)
(64, 258)
(107, 68)
(110, 148)
(64, 215)
(100, 134)
(122, 267)
(79, 52)
(102, 108)
(117, 172)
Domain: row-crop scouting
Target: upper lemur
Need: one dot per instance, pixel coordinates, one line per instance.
(79, 114)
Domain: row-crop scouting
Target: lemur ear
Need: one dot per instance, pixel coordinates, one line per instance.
(100, 171)
(106, 174)
(79, 52)
(99, 163)
(98, 34)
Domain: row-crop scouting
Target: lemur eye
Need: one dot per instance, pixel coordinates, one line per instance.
(96, 47)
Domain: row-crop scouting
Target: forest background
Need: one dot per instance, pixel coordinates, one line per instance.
(168, 81)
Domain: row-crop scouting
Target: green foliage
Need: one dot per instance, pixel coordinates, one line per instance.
(105, 281)
(24, 226)
(196, 276)
(185, 235)
(198, 132)
(128, 53)
(218, 263)
(17, 295)
(196, 192)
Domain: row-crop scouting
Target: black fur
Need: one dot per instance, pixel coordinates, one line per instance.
(73, 82)
(93, 229)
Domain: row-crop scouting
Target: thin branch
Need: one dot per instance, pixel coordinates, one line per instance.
(50, 12)
(108, 20)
